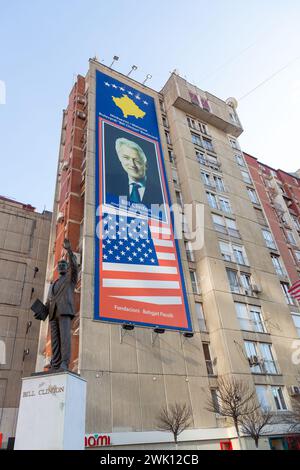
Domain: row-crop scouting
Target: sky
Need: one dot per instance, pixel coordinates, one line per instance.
(249, 50)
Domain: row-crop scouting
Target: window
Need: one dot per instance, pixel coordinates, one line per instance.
(194, 281)
(260, 216)
(225, 205)
(196, 139)
(165, 121)
(278, 398)
(278, 265)
(263, 396)
(189, 251)
(179, 199)
(171, 157)
(245, 280)
(269, 239)
(233, 281)
(207, 144)
(246, 176)
(239, 159)
(250, 317)
(234, 144)
(212, 200)
(218, 183)
(271, 398)
(167, 134)
(206, 178)
(232, 228)
(290, 237)
(288, 298)
(253, 196)
(191, 123)
(175, 176)
(296, 222)
(200, 156)
(296, 320)
(200, 316)
(225, 225)
(162, 106)
(208, 361)
(297, 255)
(233, 253)
(215, 399)
(203, 128)
(260, 358)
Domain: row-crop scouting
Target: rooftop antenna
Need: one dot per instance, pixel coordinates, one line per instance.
(133, 68)
(115, 59)
(148, 77)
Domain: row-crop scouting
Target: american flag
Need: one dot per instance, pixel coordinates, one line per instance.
(139, 262)
(295, 290)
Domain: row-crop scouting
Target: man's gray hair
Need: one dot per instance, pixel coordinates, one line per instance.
(132, 145)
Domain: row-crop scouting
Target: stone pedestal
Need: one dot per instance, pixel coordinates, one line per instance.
(52, 412)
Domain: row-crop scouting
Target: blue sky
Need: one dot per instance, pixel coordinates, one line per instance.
(226, 47)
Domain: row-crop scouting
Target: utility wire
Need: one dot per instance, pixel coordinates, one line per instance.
(269, 78)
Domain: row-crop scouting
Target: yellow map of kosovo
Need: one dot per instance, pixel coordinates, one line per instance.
(128, 107)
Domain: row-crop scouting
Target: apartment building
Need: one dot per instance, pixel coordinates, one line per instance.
(240, 324)
(24, 238)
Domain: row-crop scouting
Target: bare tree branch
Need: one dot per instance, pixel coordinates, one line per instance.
(174, 419)
(254, 423)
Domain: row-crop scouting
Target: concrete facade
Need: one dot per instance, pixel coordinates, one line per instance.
(128, 382)
(24, 238)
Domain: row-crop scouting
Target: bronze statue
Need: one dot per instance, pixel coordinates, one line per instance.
(60, 309)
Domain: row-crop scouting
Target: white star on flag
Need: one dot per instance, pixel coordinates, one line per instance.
(107, 84)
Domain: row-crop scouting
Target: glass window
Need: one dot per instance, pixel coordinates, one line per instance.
(277, 265)
(232, 228)
(253, 196)
(233, 280)
(167, 134)
(171, 157)
(240, 254)
(246, 176)
(203, 128)
(269, 366)
(285, 288)
(297, 255)
(226, 251)
(234, 144)
(179, 199)
(296, 320)
(206, 178)
(256, 318)
(215, 400)
(196, 139)
(175, 176)
(252, 355)
(207, 144)
(225, 205)
(262, 396)
(208, 361)
(194, 281)
(200, 316)
(296, 222)
(219, 223)
(200, 157)
(189, 251)
(269, 239)
(191, 123)
(290, 237)
(246, 283)
(249, 317)
(219, 184)
(243, 316)
(279, 398)
(212, 200)
(240, 161)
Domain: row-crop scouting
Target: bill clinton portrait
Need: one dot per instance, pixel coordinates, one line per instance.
(131, 169)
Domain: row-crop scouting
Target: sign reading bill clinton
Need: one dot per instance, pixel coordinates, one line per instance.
(138, 274)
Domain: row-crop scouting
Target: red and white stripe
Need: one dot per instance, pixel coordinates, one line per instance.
(157, 285)
(295, 290)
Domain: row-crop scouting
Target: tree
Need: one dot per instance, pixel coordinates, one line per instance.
(253, 424)
(175, 419)
(293, 417)
(235, 400)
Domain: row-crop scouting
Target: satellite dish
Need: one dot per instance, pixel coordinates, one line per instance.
(232, 102)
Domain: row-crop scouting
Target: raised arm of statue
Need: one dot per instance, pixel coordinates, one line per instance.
(73, 266)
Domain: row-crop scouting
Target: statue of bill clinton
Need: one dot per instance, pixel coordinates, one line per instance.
(61, 310)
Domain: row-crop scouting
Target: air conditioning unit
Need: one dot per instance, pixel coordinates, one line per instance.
(295, 390)
(256, 289)
(60, 217)
(253, 361)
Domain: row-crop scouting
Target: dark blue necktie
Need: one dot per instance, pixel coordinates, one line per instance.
(135, 195)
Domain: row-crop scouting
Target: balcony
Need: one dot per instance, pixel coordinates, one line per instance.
(201, 105)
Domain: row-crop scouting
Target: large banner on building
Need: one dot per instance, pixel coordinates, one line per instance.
(138, 273)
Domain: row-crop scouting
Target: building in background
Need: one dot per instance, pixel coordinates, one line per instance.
(24, 239)
(235, 286)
